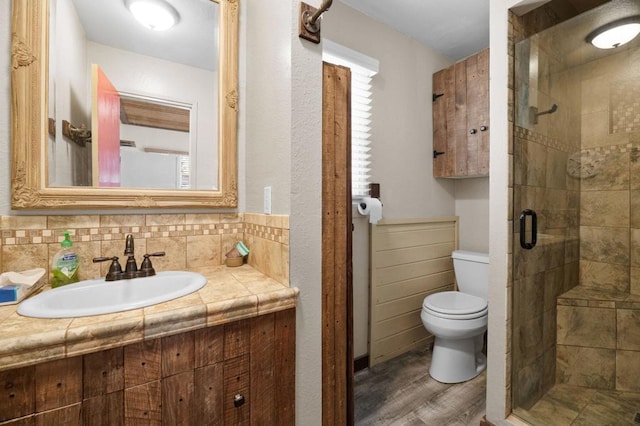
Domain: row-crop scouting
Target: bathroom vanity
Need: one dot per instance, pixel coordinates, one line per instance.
(222, 355)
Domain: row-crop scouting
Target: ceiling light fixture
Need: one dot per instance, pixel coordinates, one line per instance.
(157, 15)
(616, 33)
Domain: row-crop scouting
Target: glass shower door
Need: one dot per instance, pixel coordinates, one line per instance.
(546, 209)
(576, 169)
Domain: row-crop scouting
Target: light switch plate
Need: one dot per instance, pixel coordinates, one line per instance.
(267, 200)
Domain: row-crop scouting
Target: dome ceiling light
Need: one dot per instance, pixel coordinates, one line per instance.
(157, 15)
(616, 33)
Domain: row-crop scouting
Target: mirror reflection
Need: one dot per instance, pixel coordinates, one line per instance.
(131, 106)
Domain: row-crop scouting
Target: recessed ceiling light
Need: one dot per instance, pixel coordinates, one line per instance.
(616, 33)
(157, 15)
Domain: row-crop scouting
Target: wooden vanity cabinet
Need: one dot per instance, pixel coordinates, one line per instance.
(240, 373)
(461, 118)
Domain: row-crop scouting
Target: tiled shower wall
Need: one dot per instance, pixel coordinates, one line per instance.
(610, 192)
(189, 240)
(599, 322)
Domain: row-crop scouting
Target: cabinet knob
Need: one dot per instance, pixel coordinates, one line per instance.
(473, 131)
(437, 153)
(483, 128)
(238, 400)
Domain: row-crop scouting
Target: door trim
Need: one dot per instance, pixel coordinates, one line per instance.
(337, 271)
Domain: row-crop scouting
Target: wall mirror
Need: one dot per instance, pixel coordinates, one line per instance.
(109, 114)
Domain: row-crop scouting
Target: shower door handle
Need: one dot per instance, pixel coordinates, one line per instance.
(523, 229)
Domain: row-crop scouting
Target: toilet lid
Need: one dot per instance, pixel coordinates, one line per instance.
(455, 303)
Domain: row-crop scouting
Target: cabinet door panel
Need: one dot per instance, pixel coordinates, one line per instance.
(460, 123)
(263, 370)
(236, 339)
(209, 395)
(178, 354)
(178, 400)
(103, 372)
(483, 112)
(440, 123)
(236, 384)
(461, 118)
(17, 393)
(58, 383)
(285, 367)
(473, 110)
(142, 362)
(142, 405)
(104, 410)
(477, 110)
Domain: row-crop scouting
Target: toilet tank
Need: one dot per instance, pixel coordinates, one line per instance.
(472, 272)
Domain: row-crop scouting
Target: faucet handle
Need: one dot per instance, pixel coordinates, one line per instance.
(146, 269)
(115, 270)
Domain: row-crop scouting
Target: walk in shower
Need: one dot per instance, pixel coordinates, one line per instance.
(576, 180)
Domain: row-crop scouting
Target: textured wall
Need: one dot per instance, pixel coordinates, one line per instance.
(268, 106)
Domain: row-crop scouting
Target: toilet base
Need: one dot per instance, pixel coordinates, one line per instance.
(456, 361)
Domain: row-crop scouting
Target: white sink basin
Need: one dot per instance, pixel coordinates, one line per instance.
(95, 297)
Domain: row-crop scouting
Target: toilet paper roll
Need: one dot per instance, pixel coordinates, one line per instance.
(371, 207)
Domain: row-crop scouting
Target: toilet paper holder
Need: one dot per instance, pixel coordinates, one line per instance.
(374, 192)
(363, 205)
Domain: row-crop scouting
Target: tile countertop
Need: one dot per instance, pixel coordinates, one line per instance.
(230, 294)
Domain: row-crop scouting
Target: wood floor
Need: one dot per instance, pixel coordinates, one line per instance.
(401, 392)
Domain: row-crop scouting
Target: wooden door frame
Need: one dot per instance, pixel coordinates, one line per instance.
(337, 270)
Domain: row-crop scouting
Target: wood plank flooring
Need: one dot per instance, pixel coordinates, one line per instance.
(401, 392)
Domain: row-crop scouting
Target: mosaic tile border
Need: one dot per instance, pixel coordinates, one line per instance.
(44, 236)
(37, 230)
(622, 148)
(278, 235)
(531, 136)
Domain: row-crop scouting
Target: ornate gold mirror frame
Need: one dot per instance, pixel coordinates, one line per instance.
(29, 124)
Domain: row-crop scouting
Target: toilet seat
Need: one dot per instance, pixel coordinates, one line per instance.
(455, 305)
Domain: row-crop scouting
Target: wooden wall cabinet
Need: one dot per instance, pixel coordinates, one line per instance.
(240, 373)
(461, 118)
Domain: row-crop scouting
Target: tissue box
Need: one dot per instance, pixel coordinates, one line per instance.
(15, 293)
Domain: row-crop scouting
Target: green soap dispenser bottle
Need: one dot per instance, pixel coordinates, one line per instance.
(65, 264)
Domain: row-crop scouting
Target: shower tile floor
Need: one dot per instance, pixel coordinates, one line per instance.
(570, 405)
(401, 392)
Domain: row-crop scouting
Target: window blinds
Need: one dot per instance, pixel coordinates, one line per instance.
(363, 68)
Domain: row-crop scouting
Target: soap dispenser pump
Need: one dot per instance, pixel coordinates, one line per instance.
(65, 264)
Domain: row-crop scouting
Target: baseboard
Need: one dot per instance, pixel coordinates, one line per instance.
(360, 363)
(485, 422)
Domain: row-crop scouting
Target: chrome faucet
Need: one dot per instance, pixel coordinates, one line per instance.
(131, 268)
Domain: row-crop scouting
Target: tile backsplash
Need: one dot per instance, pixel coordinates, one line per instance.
(189, 240)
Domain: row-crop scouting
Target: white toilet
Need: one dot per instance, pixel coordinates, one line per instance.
(458, 320)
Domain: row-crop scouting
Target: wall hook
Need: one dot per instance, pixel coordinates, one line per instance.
(80, 135)
(309, 24)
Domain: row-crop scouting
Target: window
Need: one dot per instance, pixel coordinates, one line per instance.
(363, 68)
